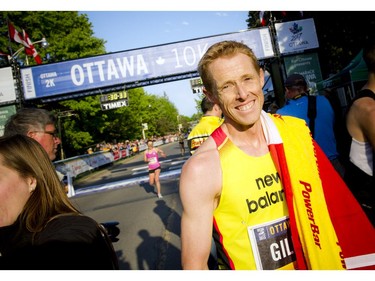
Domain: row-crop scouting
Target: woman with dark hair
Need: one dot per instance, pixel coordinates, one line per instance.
(39, 227)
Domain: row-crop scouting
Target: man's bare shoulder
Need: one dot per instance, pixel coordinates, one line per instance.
(363, 108)
(367, 103)
(360, 120)
(205, 158)
(202, 173)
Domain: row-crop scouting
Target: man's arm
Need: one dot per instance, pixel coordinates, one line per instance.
(199, 187)
(368, 122)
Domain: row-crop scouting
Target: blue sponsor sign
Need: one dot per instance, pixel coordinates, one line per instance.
(131, 66)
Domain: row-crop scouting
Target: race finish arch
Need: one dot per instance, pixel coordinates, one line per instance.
(130, 69)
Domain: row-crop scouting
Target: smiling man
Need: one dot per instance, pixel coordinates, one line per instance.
(248, 184)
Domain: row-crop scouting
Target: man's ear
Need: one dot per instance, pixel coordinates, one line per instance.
(218, 108)
(30, 134)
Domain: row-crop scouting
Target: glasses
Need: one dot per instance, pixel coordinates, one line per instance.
(53, 134)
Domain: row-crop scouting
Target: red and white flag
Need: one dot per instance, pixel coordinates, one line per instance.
(14, 34)
(30, 49)
(261, 18)
(25, 41)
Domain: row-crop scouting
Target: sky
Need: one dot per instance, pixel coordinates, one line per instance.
(128, 24)
(125, 30)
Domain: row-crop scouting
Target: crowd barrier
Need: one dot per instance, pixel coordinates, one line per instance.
(75, 166)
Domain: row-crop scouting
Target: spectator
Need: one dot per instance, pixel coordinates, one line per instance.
(210, 120)
(318, 114)
(181, 141)
(262, 186)
(38, 124)
(360, 123)
(39, 227)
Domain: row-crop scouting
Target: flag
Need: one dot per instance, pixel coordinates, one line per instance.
(30, 49)
(25, 41)
(14, 34)
(261, 18)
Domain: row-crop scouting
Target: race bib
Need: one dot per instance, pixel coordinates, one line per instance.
(272, 245)
(152, 160)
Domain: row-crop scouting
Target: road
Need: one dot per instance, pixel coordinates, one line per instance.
(149, 227)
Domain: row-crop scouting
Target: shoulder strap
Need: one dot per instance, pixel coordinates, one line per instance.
(311, 113)
(364, 93)
(219, 136)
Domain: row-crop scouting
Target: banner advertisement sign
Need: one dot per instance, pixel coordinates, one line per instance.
(80, 75)
(296, 36)
(306, 65)
(7, 88)
(5, 112)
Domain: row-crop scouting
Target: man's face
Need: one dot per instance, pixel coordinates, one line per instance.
(48, 139)
(290, 93)
(239, 88)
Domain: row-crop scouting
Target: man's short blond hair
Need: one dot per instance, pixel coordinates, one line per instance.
(222, 49)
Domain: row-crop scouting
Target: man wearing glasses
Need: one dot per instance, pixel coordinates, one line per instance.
(38, 124)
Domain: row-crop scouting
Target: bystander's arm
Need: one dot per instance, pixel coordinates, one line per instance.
(369, 123)
(360, 123)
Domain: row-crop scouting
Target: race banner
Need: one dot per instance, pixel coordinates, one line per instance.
(133, 66)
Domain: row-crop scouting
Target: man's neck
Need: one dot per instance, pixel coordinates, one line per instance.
(297, 96)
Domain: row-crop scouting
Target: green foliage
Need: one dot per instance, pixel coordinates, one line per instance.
(253, 20)
(87, 124)
(341, 34)
(197, 116)
(82, 122)
(69, 34)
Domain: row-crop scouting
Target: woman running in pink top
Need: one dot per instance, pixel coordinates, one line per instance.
(151, 156)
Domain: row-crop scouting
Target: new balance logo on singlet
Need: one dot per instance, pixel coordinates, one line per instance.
(269, 198)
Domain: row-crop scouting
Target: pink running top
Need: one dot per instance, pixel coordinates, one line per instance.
(153, 159)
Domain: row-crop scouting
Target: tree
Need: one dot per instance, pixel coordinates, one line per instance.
(91, 125)
(341, 34)
(69, 34)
